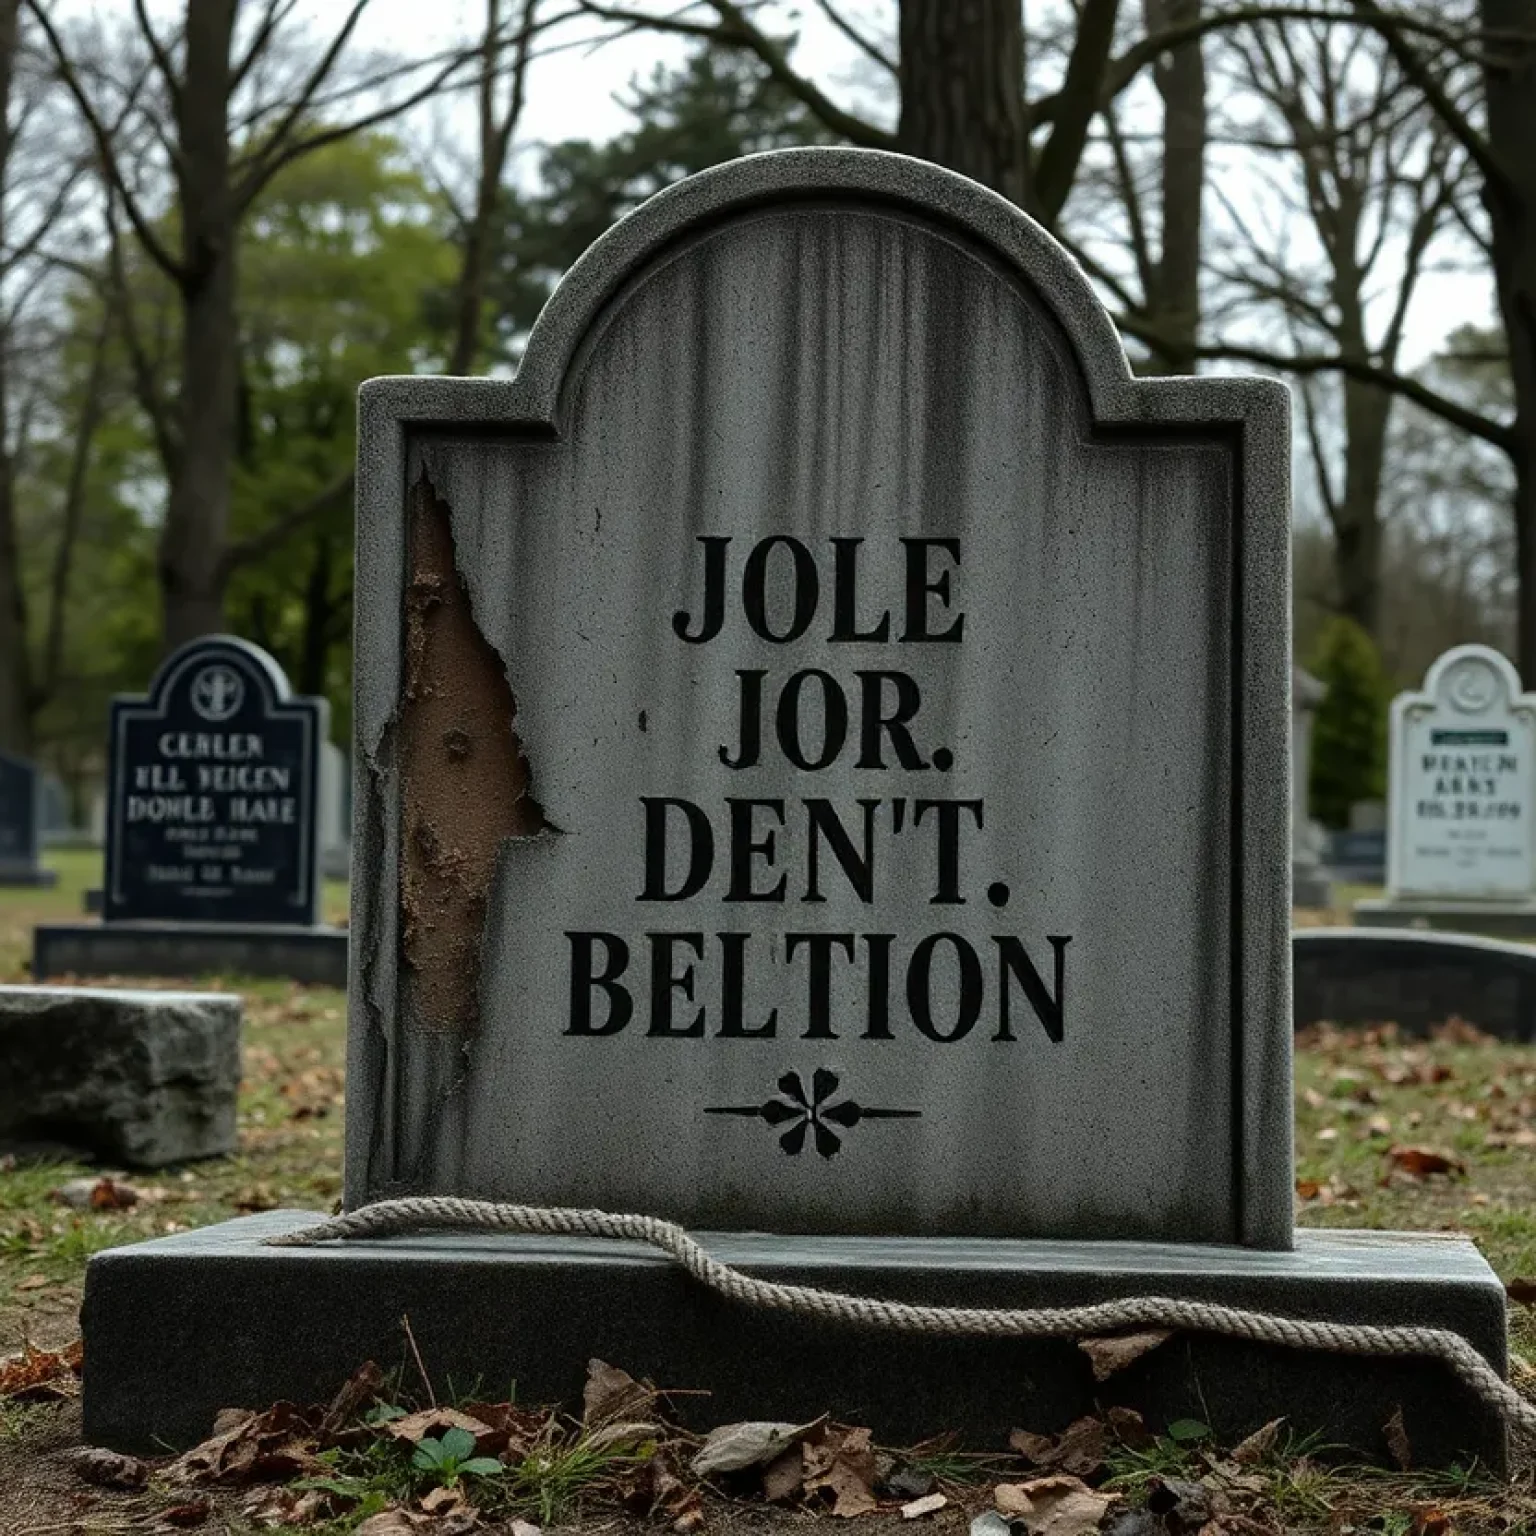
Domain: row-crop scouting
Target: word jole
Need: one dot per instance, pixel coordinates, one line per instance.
(766, 852)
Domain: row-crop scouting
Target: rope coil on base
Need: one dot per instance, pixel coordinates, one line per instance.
(449, 1213)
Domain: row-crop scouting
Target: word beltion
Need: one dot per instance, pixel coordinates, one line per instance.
(602, 1002)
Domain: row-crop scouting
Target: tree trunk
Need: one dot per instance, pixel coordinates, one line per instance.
(1357, 517)
(1509, 81)
(192, 545)
(1180, 79)
(315, 646)
(15, 667)
(962, 90)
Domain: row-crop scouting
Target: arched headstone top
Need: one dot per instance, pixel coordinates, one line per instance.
(212, 788)
(950, 205)
(222, 677)
(1473, 679)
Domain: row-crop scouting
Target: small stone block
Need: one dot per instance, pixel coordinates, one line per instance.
(181, 1326)
(1505, 919)
(317, 954)
(137, 1078)
(35, 878)
(1415, 978)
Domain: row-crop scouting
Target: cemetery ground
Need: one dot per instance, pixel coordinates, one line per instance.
(1434, 1134)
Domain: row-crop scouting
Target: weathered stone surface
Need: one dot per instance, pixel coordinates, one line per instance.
(902, 404)
(1414, 979)
(185, 1325)
(137, 1078)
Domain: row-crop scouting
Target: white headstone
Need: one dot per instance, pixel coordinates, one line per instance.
(1463, 783)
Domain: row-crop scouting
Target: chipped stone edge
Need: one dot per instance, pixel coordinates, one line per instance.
(1256, 410)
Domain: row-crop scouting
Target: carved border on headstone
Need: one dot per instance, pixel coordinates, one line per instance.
(1255, 411)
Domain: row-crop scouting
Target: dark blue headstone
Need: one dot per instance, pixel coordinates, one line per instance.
(18, 815)
(212, 792)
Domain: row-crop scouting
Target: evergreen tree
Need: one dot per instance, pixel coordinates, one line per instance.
(1349, 730)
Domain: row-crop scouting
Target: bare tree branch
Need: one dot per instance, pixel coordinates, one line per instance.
(106, 150)
(866, 45)
(735, 30)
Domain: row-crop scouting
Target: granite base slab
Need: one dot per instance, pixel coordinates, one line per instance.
(28, 877)
(178, 1327)
(314, 954)
(1504, 919)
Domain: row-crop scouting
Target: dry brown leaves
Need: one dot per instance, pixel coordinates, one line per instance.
(1058, 1505)
(612, 1394)
(1114, 1352)
(37, 1375)
(246, 1448)
(1422, 1163)
(103, 1194)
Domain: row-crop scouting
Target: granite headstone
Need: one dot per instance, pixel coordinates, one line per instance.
(821, 768)
(20, 813)
(212, 857)
(1461, 819)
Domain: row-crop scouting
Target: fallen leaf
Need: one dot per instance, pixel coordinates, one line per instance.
(103, 1194)
(1397, 1440)
(1116, 1351)
(1010, 1499)
(391, 1522)
(1129, 1428)
(735, 1447)
(1421, 1162)
(1063, 1506)
(842, 1464)
(990, 1523)
(443, 1501)
(928, 1505)
(106, 1469)
(611, 1393)
(1078, 1450)
(1328, 1133)
(1308, 1189)
(1431, 1522)
(416, 1427)
(273, 1446)
(360, 1391)
(271, 1507)
(32, 1283)
(37, 1374)
(1521, 1290)
(1258, 1445)
(621, 1436)
(784, 1477)
(524, 1528)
